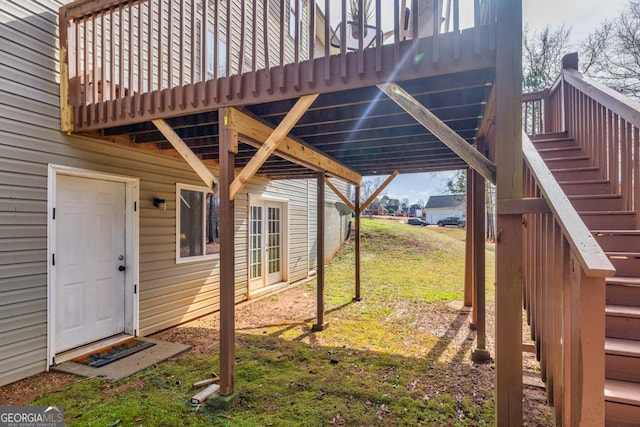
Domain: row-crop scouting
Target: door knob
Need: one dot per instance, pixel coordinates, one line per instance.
(122, 268)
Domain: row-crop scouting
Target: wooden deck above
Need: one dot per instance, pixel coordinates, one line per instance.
(142, 78)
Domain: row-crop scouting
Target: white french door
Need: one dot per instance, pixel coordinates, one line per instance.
(266, 244)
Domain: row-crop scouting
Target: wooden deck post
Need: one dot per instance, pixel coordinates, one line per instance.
(478, 219)
(320, 324)
(508, 149)
(228, 144)
(356, 238)
(468, 251)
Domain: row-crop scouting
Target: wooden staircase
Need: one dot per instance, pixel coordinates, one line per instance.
(615, 230)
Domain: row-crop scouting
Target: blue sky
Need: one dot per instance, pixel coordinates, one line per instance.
(582, 16)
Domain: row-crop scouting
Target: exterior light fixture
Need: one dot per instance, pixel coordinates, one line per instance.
(160, 203)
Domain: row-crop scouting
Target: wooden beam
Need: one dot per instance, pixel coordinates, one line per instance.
(357, 210)
(320, 324)
(375, 194)
(468, 251)
(509, 242)
(227, 261)
(291, 149)
(339, 194)
(488, 115)
(523, 206)
(272, 142)
(181, 147)
(444, 133)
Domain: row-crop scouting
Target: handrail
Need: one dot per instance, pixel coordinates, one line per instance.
(591, 256)
(624, 107)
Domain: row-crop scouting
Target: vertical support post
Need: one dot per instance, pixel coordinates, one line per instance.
(508, 149)
(356, 237)
(320, 324)
(478, 219)
(227, 148)
(468, 251)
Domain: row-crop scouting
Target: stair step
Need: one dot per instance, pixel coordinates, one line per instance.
(596, 202)
(622, 359)
(622, 392)
(621, 347)
(548, 153)
(623, 291)
(618, 240)
(626, 264)
(568, 162)
(550, 136)
(622, 322)
(613, 220)
(622, 403)
(587, 173)
(594, 186)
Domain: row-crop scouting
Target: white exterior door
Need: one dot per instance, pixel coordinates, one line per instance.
(265, 244)
(90, 260)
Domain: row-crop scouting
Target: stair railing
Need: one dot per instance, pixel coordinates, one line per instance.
(607, 126)
(564, 271)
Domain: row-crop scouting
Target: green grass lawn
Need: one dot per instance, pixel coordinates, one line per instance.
(391, 359)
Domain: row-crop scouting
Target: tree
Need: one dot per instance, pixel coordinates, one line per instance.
(420, 203)
(368, 187)
(611, 53)
(458, 183)
(542, 54)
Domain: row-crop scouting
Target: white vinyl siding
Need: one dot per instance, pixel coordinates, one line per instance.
(30, 140)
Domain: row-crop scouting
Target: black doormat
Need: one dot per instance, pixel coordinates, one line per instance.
(106, 355)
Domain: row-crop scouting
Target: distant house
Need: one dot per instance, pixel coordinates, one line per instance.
(439, 207)
(415, 210)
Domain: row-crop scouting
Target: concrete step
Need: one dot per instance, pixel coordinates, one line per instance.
(588, 173)
(618, 240)
(622, 359)
(595, 186)
(554, 152)
(597, 202)
(627, 264)
(611, 220)
(623, 291)
(622, 403)
(568, 162)
(622, 322)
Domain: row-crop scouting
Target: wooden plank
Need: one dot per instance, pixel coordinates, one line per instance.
(489, 114)
(194, 161)
(522, 206)
(480, 353)
(291, 149)
(509, 242)
(468, 252)
(204, 394)
(227, 258)
(443, 132)
(339, 194)
(272, 142)
(378, 191)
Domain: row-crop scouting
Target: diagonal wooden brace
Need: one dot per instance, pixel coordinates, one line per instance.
(375, 194)
(270, 145)
(444, 133)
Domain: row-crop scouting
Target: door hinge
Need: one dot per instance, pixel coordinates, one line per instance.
(54, 213)
(135, 206)
(135, 288)
(53, 259)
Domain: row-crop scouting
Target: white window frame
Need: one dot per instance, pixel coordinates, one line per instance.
(195, 258)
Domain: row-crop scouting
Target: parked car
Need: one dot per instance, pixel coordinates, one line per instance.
(452, 220)
(416, 221)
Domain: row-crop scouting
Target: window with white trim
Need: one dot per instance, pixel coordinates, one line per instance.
(198, 223)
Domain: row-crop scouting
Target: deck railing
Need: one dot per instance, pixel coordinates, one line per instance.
(115, 51)
(564, 272)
